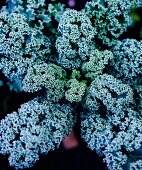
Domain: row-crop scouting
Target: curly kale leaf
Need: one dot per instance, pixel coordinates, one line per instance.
(37, 127)
(112, 93)
(120, 145)
(96, 64)
(111, 18)
(20, 44)
(75, 43)
(127, 61)
(48, 77)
